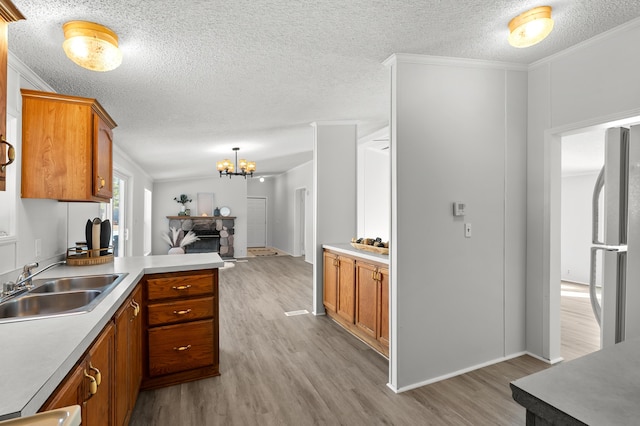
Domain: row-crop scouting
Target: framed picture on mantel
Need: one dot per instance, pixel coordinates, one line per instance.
(204, 204)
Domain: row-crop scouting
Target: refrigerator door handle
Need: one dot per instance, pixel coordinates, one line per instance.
(595, 210)
(595, 305)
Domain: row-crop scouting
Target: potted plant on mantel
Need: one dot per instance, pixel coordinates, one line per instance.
(183, 199)
(178, 240)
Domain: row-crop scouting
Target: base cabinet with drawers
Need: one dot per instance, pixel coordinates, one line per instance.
(356, 296)
(181, 327)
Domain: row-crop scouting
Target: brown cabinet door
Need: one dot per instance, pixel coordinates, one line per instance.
(330, 281)
(366, 299)
(102, 159)
(346, 288)
(128, 357)
(70, 392)
(99, 409)
(135, 350)
(383, 326)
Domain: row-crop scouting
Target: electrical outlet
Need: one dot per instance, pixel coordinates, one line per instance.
(467, 230)
(38, 247)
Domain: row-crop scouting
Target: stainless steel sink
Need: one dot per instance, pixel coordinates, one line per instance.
(60, 296)
(93, 282)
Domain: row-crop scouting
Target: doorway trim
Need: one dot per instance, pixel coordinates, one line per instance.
(299, 221)
(552, 222)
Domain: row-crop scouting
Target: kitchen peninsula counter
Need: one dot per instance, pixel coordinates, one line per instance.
(602, 388)
(37, 354)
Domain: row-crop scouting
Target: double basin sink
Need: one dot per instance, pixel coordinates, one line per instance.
(59, 296)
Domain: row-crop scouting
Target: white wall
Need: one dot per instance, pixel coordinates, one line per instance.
(227, 192)
(376, 187)
(577, 193)
(592, 83)
(458, 133)
(280, 193)
(334, 191)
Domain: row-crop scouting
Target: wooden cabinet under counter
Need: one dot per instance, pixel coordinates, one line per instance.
(181, 327)
(356, 296)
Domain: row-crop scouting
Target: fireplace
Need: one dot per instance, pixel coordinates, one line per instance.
(209, 241)
(215, 233)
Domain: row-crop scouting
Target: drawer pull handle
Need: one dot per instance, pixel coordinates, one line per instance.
(98, 375)
(93, 387)
(181, 287)
(182, 312)
(182, 348)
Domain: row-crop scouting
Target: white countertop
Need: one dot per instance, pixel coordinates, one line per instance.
(37, 354)
(352, 251)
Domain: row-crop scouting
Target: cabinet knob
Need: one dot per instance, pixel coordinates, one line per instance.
(93, 386)
(182, 312)
(101, 183)
(182, 348)
(98, 375)
(181, 287)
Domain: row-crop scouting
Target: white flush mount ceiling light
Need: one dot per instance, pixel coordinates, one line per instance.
(227, 168)
(530, 27)
(92, 46)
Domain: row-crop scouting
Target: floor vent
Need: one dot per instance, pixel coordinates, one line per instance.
(294, 313)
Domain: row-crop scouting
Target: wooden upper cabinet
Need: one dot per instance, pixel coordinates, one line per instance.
(8, 13)
(66, 148)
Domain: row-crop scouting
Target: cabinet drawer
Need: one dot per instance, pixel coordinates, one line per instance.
(179, 286)
(180, 311)
(181, 347)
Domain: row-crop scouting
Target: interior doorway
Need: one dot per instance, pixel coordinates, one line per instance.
(256, 222)
(582, 159)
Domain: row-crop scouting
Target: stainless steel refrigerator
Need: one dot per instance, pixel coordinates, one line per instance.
(616, 234)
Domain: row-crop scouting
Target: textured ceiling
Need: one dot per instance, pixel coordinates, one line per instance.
(200, 77)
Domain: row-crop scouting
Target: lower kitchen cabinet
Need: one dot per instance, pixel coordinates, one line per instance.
(181, 327)
(90, 383)
(128, 356)
(360, 297)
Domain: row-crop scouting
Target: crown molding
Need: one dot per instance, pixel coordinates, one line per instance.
(335, 123)
(634, 23)
(412, 58)
(27, 73)
(9, 12)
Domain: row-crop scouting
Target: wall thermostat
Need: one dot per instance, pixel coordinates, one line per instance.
(459, 208)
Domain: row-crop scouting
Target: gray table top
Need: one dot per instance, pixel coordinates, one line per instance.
(602, 388)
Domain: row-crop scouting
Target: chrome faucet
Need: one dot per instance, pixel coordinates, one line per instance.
(24, 283)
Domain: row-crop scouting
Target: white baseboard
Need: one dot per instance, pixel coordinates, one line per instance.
(463, 371)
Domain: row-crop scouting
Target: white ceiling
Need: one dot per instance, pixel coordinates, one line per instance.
(200, 77)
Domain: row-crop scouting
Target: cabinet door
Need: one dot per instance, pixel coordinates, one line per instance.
(99, 409)
(330, 282)
(128, 357)
(383, 313)
(366, 299)
(135, 350)
(346, 288)
(102, 159)
(70, 392)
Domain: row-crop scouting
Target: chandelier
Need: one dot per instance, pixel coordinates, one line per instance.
(227, 168)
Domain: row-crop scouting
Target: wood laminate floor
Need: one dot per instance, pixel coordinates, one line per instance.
(306, 370)
(580, 333)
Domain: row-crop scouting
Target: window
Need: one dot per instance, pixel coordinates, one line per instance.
(116, 212)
